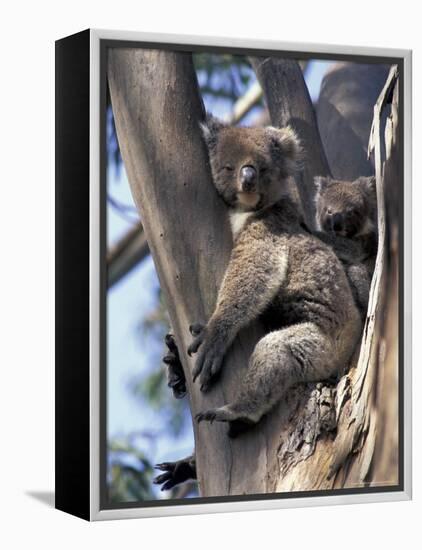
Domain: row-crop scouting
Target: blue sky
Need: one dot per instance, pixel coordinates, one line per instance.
(130, 300)
(128, 353)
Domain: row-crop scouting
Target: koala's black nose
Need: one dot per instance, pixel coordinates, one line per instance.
(248, 177)
(337, 222)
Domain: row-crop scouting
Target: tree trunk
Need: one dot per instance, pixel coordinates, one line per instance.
(157, 108)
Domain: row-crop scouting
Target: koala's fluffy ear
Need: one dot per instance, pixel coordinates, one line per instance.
(287, 141)
(210, 128)
(369, 184)
(321, 183)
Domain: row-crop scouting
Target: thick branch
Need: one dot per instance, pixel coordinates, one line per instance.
(131, 249)
(245, 103)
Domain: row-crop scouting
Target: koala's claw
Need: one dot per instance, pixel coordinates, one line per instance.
(175, 375)
(170, 358)
(238, 424)
(208, 365)
(165, 466)
(193, 348)
(197, 331)
(210, 358)
(167, 477)
(170, 342)
(222, 414)
(175, 473)
(206, 415)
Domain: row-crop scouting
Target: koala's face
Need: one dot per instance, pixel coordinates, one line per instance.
(250, 165)
(345, 208)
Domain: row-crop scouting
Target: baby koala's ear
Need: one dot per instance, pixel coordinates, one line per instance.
(210, 128)
(287, 141)
(321, 183)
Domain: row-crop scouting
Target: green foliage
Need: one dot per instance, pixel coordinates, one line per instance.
(130, 472)
(226, 76)
(153, 391)
(156, 323)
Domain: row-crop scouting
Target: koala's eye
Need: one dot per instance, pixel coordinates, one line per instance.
(263, 169)
(228, 168)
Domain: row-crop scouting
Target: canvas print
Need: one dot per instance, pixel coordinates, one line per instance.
(253, 275)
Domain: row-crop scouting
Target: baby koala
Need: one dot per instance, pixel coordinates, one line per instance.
(346, 219)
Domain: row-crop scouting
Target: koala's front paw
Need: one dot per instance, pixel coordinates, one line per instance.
(197, 331)
(210, 358)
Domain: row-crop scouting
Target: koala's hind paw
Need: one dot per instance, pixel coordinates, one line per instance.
(210, 357)
(175, 473)
(238, 424)
(222, 414)
(175, 375)
(206, 415)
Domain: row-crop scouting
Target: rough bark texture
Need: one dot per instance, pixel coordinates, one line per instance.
(321, 436)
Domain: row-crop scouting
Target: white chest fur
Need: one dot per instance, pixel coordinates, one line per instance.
(238, 220)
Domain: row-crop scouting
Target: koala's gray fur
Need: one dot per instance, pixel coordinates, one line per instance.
(278, 271)
(346, 217)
